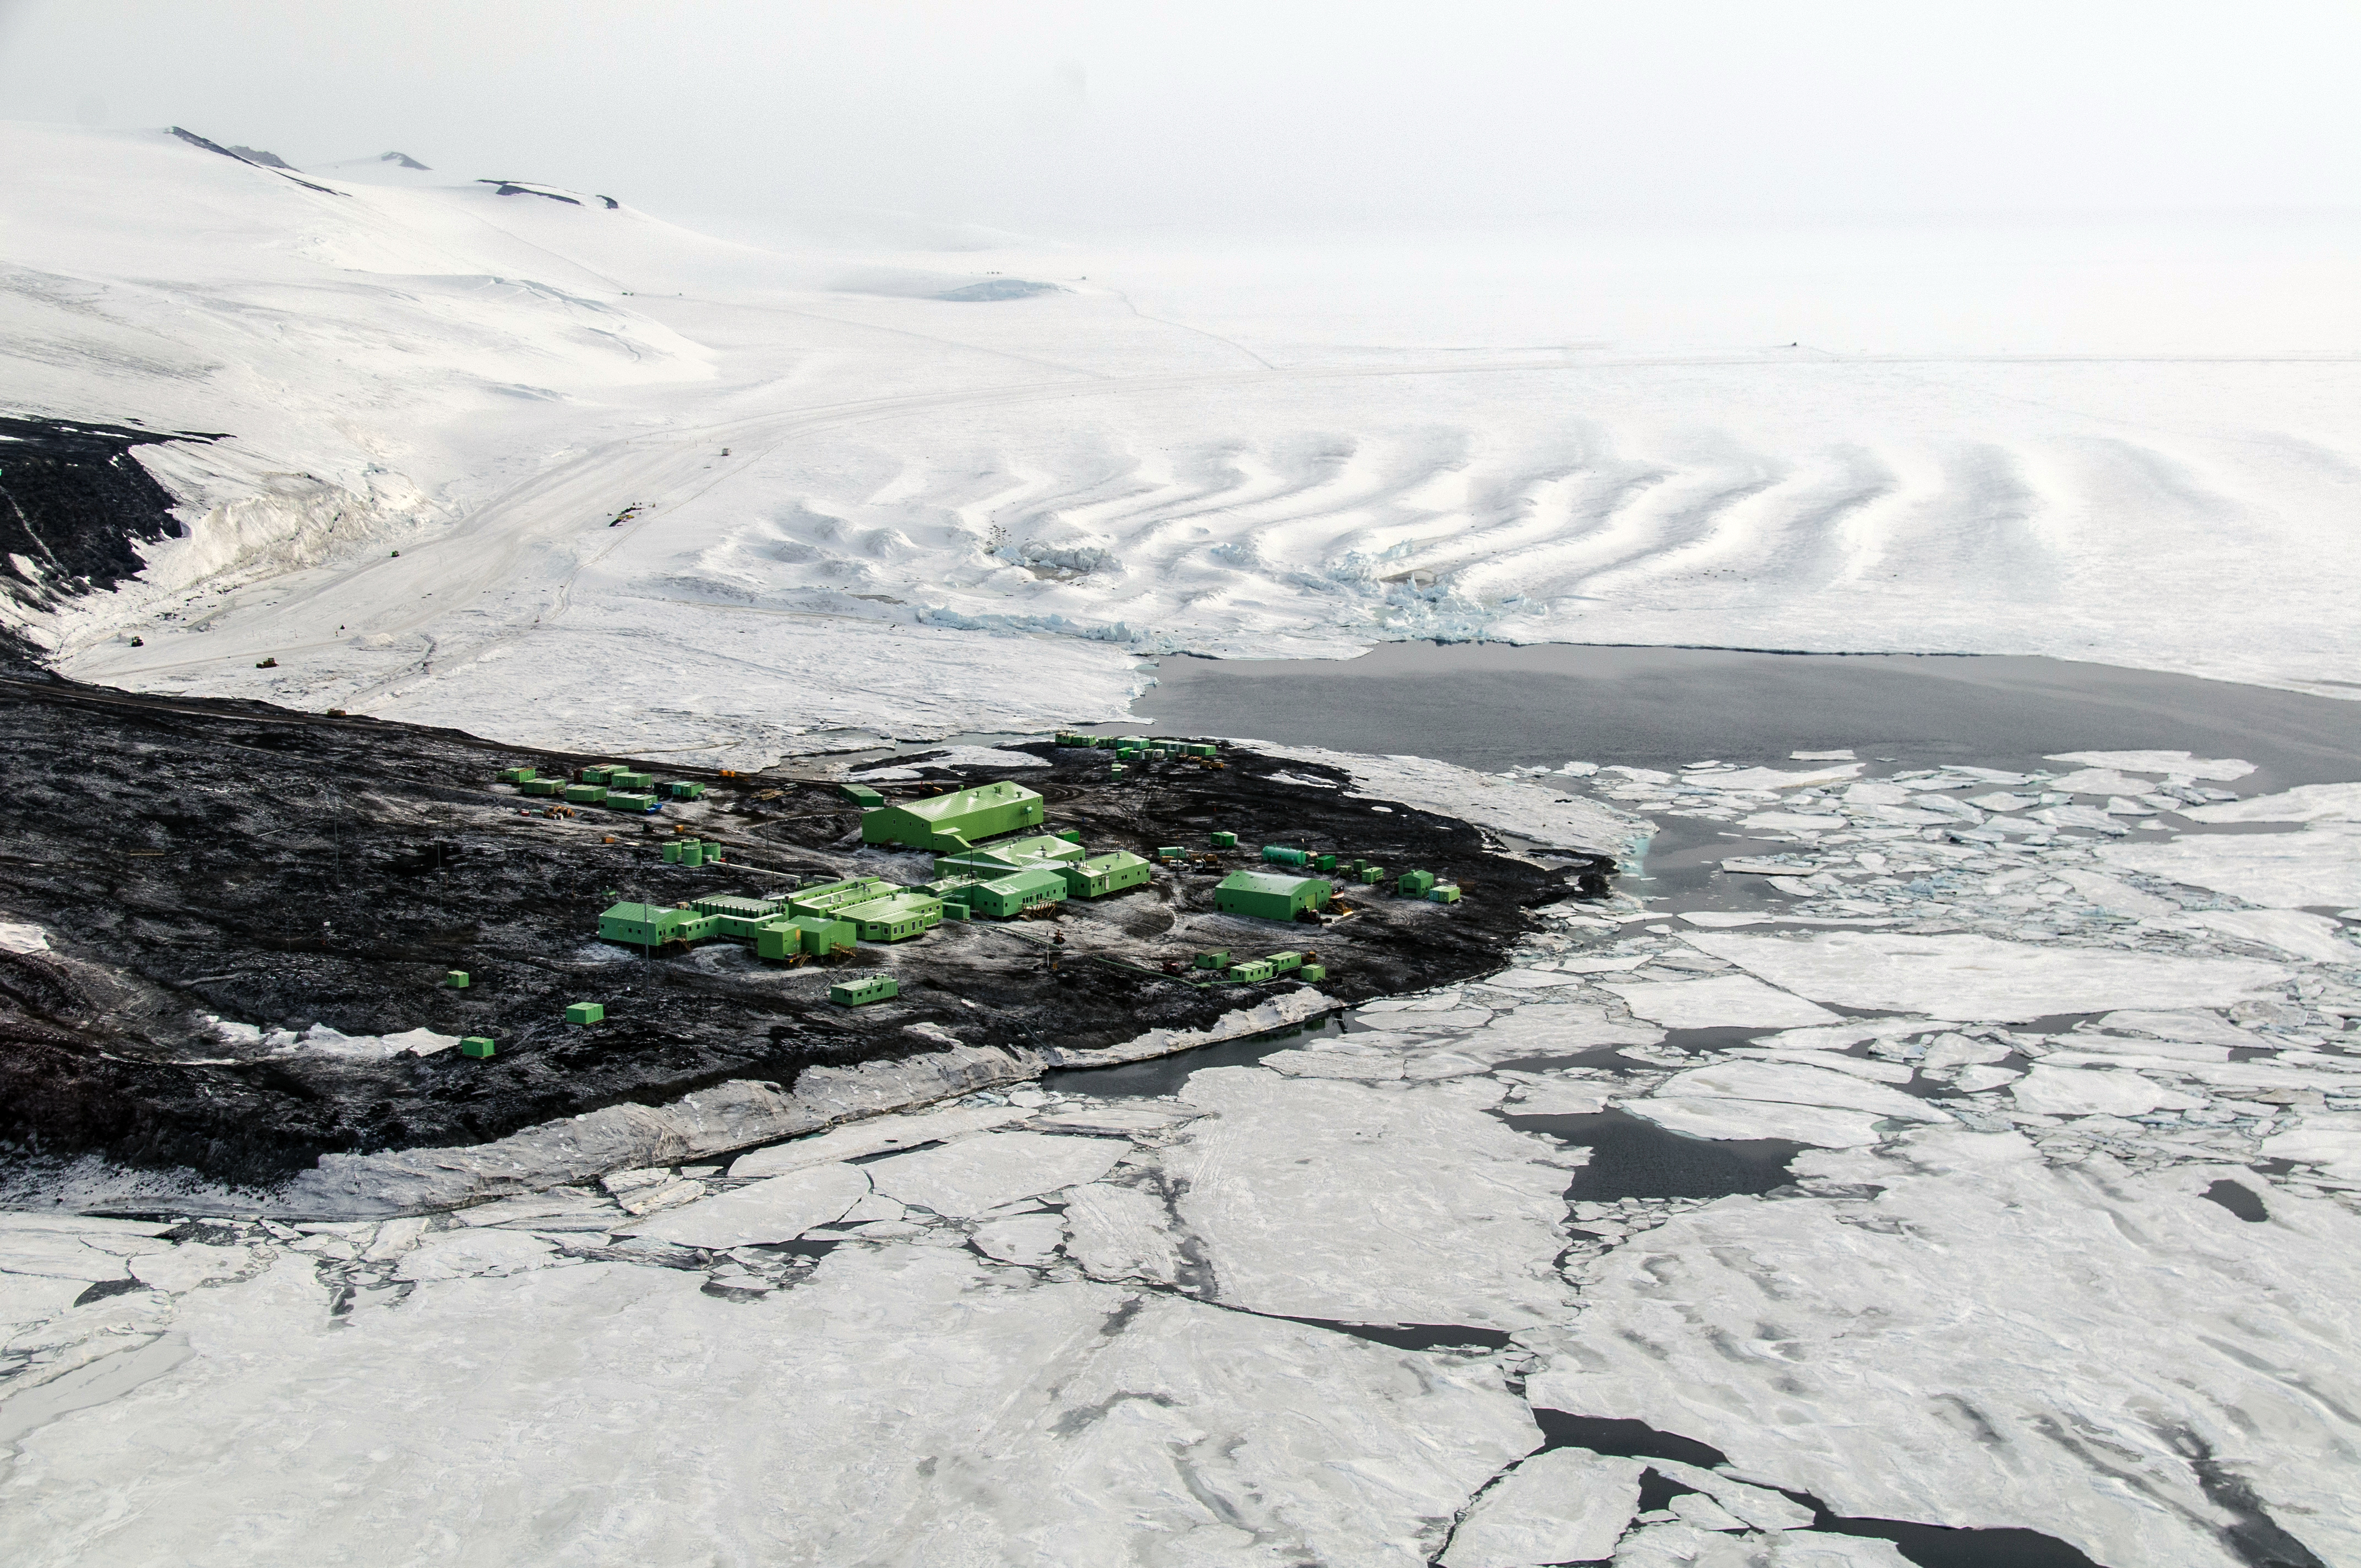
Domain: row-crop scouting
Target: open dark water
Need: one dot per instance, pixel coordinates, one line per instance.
(1492, 705)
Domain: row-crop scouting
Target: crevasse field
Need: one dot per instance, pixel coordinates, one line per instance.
(2067, 1264)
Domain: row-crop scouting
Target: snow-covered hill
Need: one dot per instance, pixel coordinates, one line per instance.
(897, 494)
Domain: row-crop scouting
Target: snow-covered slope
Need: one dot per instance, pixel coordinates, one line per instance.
(945, 507)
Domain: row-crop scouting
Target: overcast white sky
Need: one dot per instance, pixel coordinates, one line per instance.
(1057, 118)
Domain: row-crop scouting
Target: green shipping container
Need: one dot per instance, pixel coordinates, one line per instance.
(1281, 855)
(1225, 840)
(1326, 862)
(1415, 883)
(457, 980)
(1312, 971)
(517, 775)
(625, 778)
(861, 796)
(1218, 958)
(684, 789)
(1250, 972)
(476, 1045)
(860, 992)
(1284, 963)
(597, 773)
(544, 786)
(587, 793)
(629, 800)
(1444, 893)
(1372, 875)
(586, 1013)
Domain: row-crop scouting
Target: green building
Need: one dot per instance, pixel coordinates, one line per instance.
(827, 897)
(740, 917)
(899, 915)
(954, 822)
(1266, 896)
(1102, 874)
(1013, 894)
(651, 925)
(859, 992)
(784, 938)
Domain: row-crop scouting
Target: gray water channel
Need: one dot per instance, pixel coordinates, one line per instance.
(1492, 705)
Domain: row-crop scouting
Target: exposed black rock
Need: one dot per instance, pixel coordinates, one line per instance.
(510, 188)
(286, 870)
(75, 506)
(194, 140)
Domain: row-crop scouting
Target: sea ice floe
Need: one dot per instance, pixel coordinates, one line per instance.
(2177, 764)
(2085, 1091)
(1029, 1240)
(1538, 813)
(1122, 1232)
(2097, 781)
(929, 1413)
(2313, 937)
(1968, 976)
(1707, 1116)
(1562, 1505)
(874, 1135)
(1720, 1001)
(1316, 1198)
(460, 1254)
(2306, 802)
(1979, 1339)
(2115, 893)
(2320, 865)
(17, 936)
(2331, 1140)
(1796, 1083)
(2183, 1023)
(983, 1172)
(775, 1209)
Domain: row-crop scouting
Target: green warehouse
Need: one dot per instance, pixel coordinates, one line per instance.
(653, 925)
(949, 824)
(1013, 894)
(1266, 896)
(1102, 874)
(900, 913)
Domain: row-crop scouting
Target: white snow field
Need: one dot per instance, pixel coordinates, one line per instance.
(2045, 1256)
(2129, 444)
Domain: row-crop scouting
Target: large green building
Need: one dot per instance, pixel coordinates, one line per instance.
(1266, 896)
(949, 824)
(1102, 874)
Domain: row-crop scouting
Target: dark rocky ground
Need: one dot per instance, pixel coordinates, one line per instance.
(191, 858)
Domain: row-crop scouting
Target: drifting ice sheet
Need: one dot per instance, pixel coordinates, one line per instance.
(2320, 865)
(1968, 977)
(1734, 1001)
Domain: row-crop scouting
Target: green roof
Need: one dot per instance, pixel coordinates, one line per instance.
(958, 803)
